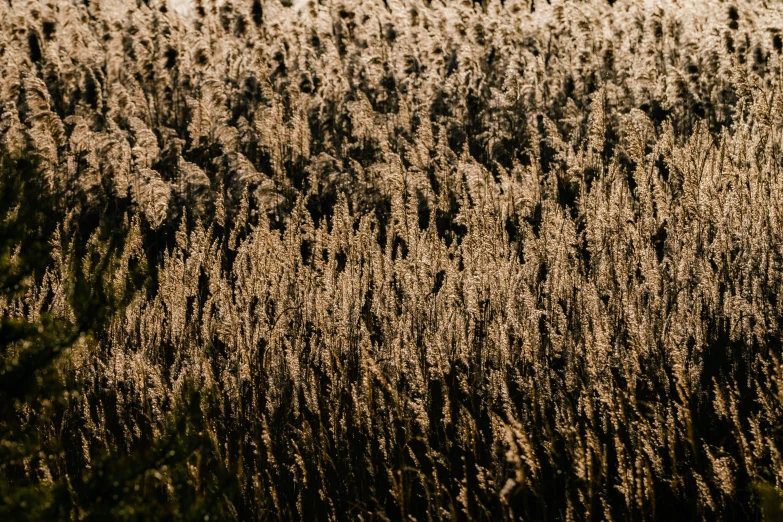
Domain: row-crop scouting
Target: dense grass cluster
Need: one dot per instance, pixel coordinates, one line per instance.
(389, 260)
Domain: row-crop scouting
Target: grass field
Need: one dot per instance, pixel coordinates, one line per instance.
(391, 260)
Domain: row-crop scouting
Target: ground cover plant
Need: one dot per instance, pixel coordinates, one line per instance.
(391, 260)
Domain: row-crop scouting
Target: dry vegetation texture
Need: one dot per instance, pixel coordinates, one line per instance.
(418, 261)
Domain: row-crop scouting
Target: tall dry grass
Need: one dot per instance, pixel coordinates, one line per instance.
(426, 261)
